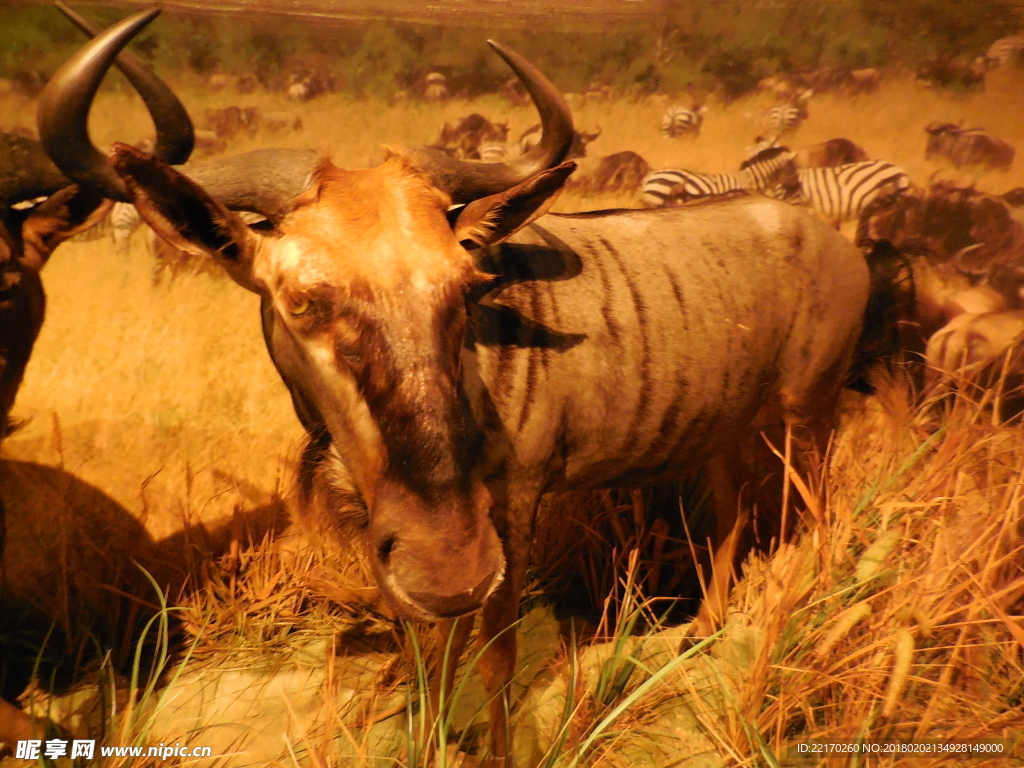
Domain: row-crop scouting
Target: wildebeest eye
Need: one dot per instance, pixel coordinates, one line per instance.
(299, 306)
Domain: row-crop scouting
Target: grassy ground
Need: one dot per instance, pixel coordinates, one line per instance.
(156, 431)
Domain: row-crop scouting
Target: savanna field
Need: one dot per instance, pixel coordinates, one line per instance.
(156, 433)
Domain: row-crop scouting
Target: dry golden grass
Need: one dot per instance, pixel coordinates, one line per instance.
(157, 429)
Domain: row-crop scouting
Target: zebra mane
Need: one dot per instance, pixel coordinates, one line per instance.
(769, 153)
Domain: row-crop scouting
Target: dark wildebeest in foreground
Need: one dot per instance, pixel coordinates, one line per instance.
(39, 209)
(456, 354)
(967, 146)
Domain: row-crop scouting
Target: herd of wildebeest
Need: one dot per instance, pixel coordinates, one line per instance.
(454, 351)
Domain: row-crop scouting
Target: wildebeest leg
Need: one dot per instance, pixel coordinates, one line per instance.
(731, 523)
(442, 678)
(497, 628)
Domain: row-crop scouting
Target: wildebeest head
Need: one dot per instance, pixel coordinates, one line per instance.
(364, 282)
(40, 207)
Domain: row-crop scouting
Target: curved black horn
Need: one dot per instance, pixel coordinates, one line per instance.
(264, 180)
(64, 105)
(466, 181)
(175, 135)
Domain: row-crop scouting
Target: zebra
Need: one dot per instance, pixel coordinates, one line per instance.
(672, 186)
(492, 151)
(124, 220)
(841, 193)
(678, 121)
(119, 224)
(788, 117)
(1004, 50)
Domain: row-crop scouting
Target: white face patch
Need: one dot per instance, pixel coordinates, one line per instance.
(295, 258)
(767, 215)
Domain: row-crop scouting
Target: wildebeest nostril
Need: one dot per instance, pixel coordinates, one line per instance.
(385, 548)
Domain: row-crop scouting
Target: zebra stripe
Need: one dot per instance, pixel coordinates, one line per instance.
(763, 166)
(679, 120)
(842, 192)
(1004, 49)
(785, 118)
(668, 186)
(123, 219)
(661, 188)
(492, 151)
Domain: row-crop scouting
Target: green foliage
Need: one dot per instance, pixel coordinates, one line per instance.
(729, 44)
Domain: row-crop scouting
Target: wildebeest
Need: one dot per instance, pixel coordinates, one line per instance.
(967, 146)
(531, 137)
(307, 84)
(779, 86)
(621, 172)
(462, 137)
(219, 81)
(209, 143)
(28, 82)
(279, 121)
(228, 122)
(460, 363)
(963, 247)
(29, 234)
(864, 80)
(957, 74)
(1014, 197)
(983, 350)
(948, 224)
(513, 90)
(830, 154)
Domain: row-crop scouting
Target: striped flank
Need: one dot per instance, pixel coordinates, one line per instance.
(673, 186)
(841, 193)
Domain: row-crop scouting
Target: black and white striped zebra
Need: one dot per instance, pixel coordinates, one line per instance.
(672, 186)
(841, 193)
(124, 220)
(1004, 50)
(680, 121)
(119, 224)
(764, 165)
(492, 151)
(785, 118)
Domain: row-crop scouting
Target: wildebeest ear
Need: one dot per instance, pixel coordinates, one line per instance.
(185, 215)
(64, 214)
(492, 219)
